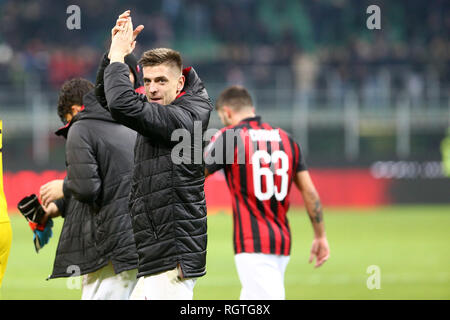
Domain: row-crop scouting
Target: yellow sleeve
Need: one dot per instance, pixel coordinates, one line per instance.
(3, 207)
(445, 151)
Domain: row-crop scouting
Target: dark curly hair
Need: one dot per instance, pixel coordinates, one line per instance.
(71, 93)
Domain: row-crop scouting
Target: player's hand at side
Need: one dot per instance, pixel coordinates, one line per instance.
(320, 251)
(51, 212)
(51, 191)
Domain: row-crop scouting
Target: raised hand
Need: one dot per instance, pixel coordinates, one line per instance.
(123, 39)
(121, 21)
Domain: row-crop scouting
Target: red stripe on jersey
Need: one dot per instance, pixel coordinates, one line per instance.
(237, 238)
(297, 156)
(250, 187)
(275, 146)
(262, 223)
(284, 222)
(219, 133)
(248, 245)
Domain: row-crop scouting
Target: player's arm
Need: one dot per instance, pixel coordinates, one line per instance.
(320, 248)
(134, 111)
(312, 202)
(105, 60)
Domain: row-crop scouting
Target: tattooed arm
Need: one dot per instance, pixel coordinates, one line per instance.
(320, 248)
(312, 202)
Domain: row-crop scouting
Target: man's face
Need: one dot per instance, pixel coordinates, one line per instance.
(162, 83)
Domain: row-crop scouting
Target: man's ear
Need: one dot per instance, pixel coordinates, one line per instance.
(180, 84)
(75, 109)
(228, 112)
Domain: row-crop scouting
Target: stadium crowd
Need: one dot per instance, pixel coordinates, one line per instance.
(235, 42)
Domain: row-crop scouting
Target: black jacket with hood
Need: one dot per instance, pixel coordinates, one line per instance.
(97, 226)
(167, 199)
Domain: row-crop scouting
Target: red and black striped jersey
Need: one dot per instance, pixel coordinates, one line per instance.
(260, 163)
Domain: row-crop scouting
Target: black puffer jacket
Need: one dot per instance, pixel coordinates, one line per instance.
(76, 253)
(99, 159)
(167, 200)
(135, 68)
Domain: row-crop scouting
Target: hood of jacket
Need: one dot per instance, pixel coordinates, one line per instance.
(91, 109)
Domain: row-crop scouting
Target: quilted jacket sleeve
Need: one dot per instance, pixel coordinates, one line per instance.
(83, 178)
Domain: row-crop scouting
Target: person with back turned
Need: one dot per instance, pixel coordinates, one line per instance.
(261, 163)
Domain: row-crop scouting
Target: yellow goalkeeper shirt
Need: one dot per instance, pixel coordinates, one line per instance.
(445, 150)
(3, 208)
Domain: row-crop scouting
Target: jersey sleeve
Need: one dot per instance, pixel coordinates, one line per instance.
(214, 154)
(301, 163)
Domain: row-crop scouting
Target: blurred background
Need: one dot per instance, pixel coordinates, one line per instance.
(370, 108)
(352, 97)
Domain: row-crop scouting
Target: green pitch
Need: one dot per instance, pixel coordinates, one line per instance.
(409, 244)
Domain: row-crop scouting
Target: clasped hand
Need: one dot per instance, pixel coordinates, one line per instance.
(123, 39)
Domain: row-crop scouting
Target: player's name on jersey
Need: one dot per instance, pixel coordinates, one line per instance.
(264, 135)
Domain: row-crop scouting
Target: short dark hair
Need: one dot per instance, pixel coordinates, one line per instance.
(71, 93)
(236, 97)
(159, 56)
